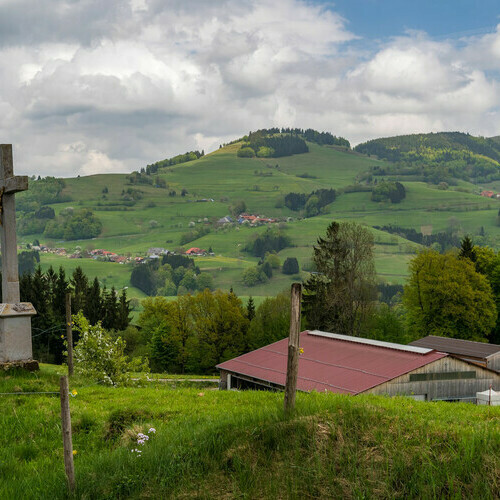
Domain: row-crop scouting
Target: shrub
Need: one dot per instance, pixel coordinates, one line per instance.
(253, 276)
(290, 266)
(246, 152)
(101, 358)
(265, 152)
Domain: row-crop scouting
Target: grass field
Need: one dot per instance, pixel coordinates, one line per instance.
(212, 444)
(159, 220)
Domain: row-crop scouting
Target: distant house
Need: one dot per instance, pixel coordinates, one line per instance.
(158, 251)
(195, 251)
(353, 365)
(225, 220)
(487, 194)
(254, 219)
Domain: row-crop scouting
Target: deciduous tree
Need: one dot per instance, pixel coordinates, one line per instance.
(446, 296)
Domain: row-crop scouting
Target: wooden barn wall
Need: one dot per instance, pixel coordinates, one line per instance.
(494, 362)
(441, 389)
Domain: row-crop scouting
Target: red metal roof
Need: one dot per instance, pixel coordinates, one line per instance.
(332, 364)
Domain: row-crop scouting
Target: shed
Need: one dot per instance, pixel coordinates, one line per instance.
(487, 355)
(353, 365)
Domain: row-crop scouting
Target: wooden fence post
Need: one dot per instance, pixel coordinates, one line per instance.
(66, 433)
(292, 368)
(69, 334)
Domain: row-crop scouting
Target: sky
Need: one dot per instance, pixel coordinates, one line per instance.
(91, 87)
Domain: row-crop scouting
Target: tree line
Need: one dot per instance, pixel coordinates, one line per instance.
(47, 292)
(271, 240)
(445, 239)
(312, 202)
(194, 333)
(174, 160)
(172, 275)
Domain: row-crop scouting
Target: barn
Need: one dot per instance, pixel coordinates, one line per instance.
(353, 365)
(487, 355)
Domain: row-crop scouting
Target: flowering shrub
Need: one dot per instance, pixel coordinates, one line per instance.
(100, 357)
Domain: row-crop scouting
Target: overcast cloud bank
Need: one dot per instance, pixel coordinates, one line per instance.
(91, 87)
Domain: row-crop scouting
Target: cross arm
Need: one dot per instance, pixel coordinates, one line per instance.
(14, 184)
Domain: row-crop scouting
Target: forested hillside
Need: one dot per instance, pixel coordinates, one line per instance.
(438, 157)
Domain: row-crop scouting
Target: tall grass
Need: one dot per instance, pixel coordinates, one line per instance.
(211, 444)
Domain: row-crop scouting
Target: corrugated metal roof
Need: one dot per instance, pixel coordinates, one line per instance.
(333, 364)
(380, 343)
(458, 346)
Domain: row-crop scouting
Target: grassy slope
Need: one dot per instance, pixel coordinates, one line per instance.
(223, 176)
(212, 444)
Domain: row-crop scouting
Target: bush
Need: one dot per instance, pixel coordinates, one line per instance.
(253, 276)
(290, 266)
(389, 191)
(265, 152)
(246, 152)
(101, 358)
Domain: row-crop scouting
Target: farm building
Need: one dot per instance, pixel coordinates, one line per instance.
(353, 365)
(487, 355)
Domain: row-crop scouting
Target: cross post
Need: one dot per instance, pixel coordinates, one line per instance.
(15, 316)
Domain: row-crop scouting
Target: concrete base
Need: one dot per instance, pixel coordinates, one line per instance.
(15, 332)
(30, 365)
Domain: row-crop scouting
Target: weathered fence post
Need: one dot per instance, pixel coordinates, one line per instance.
(66, 433)
(69, 334)
(292, 368)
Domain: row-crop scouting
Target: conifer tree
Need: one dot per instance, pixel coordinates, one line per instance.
(467, 249)
(59, 296)
(93, 304)
(250, 308)
(123, 317)
(340, 296)
(80, 288)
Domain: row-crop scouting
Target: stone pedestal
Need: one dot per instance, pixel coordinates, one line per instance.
(15, 334)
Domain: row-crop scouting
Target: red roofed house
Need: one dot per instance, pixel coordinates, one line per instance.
(353, 365)
(488, 194)
(195, 251)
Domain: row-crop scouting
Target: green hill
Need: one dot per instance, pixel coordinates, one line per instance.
(227, 444)
(183, 201)
(442, 156)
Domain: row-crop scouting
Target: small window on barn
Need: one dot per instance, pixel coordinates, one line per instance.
(423, 377)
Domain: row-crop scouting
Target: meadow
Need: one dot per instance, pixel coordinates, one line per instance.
(227, 444)
(159, 220)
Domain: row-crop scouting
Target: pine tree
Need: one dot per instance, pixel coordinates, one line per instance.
(93, 305)
(80, 289)
(110, 308)
(340, 296)
(124, 309)
(61, 287)
(250, 309)
(467, 250)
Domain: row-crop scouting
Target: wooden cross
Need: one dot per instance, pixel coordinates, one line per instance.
(9, 185)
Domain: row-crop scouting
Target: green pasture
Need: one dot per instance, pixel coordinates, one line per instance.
(159, 220)
(228, 444)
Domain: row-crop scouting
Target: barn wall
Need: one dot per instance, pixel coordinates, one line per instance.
(494, 362)
(223, 380)
(456, 388)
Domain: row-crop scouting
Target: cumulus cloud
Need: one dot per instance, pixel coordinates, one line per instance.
(89, 86)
